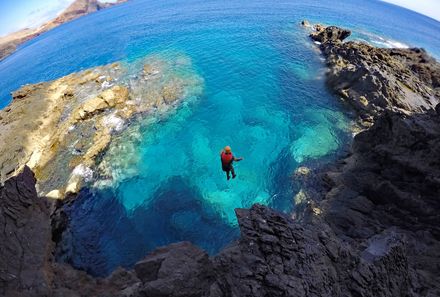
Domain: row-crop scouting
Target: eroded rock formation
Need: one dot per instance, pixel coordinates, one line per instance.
(275, 256)
(60, 128)
(376, 79)
(372, 231)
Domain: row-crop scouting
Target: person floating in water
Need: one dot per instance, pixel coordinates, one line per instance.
(227, 159)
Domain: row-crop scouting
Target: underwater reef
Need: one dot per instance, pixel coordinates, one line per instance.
(372, 229)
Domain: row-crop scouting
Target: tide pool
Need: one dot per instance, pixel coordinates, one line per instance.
(256, 84)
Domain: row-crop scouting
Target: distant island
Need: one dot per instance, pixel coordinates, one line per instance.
(79, 8)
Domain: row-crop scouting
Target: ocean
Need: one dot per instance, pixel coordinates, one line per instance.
(263, 93)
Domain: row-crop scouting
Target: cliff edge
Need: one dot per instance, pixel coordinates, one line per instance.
(373, 231)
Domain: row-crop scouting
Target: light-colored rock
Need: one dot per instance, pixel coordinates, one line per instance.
(55, 194)
(363, 100)
(301, 197)
(54, 126)
(302, 171)
(73, 185)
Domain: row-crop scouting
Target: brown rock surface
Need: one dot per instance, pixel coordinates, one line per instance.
(55, 127)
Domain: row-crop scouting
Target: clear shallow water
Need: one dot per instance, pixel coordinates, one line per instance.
(263, 94)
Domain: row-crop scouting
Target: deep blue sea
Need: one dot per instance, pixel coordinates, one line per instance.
(263, 94)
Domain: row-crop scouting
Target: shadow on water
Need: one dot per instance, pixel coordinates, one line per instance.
(177, 213)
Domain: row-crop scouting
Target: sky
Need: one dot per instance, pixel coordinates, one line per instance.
(430, 8)
(20, 14)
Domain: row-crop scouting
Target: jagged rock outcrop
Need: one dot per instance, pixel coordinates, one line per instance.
(25, 242)
(329, 34)
(179, 269)
(279, 257)
(388, 191)
(27, 266)
(372, 231)
(394, 164)
(376, 79)
(275, 256)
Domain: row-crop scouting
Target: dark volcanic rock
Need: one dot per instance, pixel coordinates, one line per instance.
(275, 256)
(329, 34)
(179, 269)
(376, 79)
(25, 243)
(26, 262)
(279, 257)
(374, 232)
(395, 168)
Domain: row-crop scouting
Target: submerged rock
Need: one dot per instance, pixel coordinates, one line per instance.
(56, 126)
(305, 23)
(374, 231)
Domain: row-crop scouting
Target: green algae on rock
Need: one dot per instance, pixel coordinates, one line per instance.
(61, 128)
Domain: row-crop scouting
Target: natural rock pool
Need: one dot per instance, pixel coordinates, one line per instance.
(260, 90)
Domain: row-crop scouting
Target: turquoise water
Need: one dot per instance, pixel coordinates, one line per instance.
(261, 91)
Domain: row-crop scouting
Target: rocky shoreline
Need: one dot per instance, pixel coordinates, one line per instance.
(79, 8)
(374, 231)
(372, 80)
(60, 128)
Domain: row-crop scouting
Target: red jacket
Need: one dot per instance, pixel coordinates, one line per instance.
(227, 159)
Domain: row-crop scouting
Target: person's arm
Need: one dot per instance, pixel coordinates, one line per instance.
(238, 159)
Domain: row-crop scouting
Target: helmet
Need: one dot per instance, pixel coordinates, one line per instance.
(227, 149)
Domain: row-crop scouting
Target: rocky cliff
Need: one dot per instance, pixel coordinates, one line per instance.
(79, 8)
(372, 231)
(374, 79)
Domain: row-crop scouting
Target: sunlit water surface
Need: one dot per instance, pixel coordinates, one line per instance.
(261, 91)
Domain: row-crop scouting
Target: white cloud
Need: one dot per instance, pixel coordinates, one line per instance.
(430, 8)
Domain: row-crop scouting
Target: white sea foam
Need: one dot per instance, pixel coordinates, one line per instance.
(85, 172)
(103, 183)
(396, 44)
(106, 84)
(380, 41)
(113, 122)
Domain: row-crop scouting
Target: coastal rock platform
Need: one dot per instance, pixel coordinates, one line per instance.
(60, 128)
